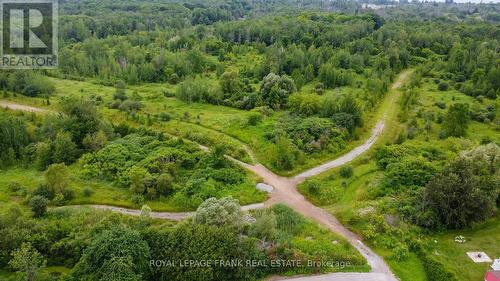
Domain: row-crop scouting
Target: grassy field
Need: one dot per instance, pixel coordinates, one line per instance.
(483, 237)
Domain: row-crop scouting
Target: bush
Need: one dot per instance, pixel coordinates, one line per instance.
(401, 253)
(68, 194)
(254, 118)
(38, 205)
(219, 212)
(165, 117)
(443, 86)
(440, 104)
(434, 270)
(57, 177)
(408, 172)
(288, 220)
(195, 90)
(346, 172)
(275, 90)
(87, 192)
(313, 186)
(45, 191)
(456, 120)
(15, 187)
(137, 199)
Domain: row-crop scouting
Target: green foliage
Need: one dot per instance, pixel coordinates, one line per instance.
(196, 90)
(153, 167)
(13, 138)
(231, 84)
(275, 89)
(307, 105)
(190, 241)
(408, 173)
(57, 178)
(28, 261)
(435, 270)
(287, 219)
(220, 212)
(118, 252)
(254, 119)
(311, 134)
(456, 120)
(443, 86)
(38, 205)
(345, 113)
(266, 225)
(63, 149)
(332, 77)
(82, 119)
(465, 192)
(346, 171)
(286, 155)
(28, 83)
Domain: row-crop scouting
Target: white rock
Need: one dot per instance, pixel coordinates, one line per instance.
(264, 187)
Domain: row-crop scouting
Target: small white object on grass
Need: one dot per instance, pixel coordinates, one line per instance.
(478, 257)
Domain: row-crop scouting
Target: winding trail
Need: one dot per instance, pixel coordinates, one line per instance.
(285, 191)
(173, 216)
(22, 107)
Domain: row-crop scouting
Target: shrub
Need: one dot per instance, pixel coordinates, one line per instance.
(220, 212)
(456, 120)
(45, 191)
(165, 117)
(57, 177)
(275, 90)
(464, 192)
(68, 194)
(254, 118)
(408, 172)
(87, 192)
(443, 86)
(287, 219)
(137, 199)
(15, 187)
(313, 186)
(112, 253)
(38, 205)
(434, 270)
(440, 104)
(400, 252)
(346, 172)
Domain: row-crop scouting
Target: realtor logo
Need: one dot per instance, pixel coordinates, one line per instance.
(28, 37)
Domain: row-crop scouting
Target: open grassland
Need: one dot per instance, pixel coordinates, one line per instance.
(483, 237)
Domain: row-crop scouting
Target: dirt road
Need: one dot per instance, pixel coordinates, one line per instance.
(351, 155)
(16, 106)
(173, 216)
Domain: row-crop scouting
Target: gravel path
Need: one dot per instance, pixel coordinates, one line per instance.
(351, 155)
(173, 216)
(15, 106)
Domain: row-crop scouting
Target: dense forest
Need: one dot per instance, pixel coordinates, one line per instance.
(161, 106)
